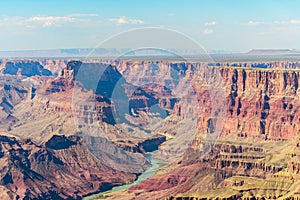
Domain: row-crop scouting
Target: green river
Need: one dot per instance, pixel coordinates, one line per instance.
(155, 165)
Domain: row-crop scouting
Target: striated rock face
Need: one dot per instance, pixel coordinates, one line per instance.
(262, 103)
(59, 169)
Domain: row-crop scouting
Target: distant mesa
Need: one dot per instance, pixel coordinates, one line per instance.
(273, 51)
(115, 52)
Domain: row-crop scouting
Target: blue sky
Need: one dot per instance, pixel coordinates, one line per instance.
(216, 25)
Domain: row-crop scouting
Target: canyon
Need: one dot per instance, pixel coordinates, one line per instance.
(72, 128)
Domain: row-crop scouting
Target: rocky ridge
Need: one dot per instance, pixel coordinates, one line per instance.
(61, 168)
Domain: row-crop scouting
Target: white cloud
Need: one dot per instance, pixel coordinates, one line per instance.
(294, 21)
(123, 20)
(209, 26)
(212, 23)
(207, 31)
(45, 20)
(254, 23)
(48, 21)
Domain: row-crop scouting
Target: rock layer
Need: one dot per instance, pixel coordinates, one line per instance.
(59, 169)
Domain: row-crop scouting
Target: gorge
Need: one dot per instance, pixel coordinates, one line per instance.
(239, 140)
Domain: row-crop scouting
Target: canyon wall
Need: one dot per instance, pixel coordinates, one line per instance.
(262, 103)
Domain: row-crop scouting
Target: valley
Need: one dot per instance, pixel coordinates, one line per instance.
(75, 128)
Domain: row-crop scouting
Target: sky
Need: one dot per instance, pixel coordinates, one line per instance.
(230, 25)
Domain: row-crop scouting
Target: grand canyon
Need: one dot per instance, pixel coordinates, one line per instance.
(91, 128)
(149, 100)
